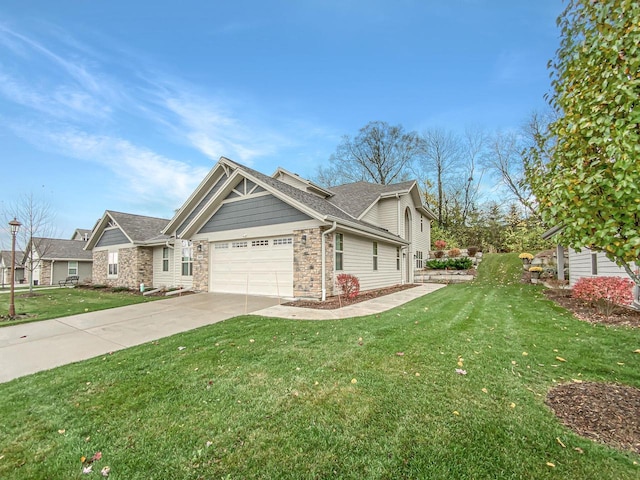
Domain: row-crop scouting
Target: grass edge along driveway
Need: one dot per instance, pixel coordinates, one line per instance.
(371, 397)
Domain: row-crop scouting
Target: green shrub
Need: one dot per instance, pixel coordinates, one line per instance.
(463, 263)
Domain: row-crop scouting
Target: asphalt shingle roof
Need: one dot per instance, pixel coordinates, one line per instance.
(320, 205)
(356, 197)
(59, 249)
(6, 256)
(139, 228)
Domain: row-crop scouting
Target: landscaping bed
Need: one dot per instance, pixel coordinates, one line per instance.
(331, 303)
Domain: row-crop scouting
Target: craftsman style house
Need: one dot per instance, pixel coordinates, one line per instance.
(245, 232)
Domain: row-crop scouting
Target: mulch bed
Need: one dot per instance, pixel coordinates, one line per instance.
(604, 412)
(331, 303)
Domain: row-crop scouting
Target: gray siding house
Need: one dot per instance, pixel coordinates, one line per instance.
(245, 232)
(50, 260)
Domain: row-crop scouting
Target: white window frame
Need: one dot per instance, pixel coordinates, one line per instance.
(165, 259)
(419, 260)
(375, 255)
(339, 251)
(70, 267)
(187, 258)
(594, 263)
(112, 265)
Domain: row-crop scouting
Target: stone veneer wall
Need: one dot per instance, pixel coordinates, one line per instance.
(45, 272)
(307, 263)
(135, 266)
(99, 272)
(201, 266)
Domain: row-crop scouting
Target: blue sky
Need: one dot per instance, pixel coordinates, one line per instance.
(126, 105)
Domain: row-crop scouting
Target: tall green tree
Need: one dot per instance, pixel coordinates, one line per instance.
(591, 184)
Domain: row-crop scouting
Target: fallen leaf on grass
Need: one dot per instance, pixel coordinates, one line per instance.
(455, 412)
(524, 354)
(400, 354)
(484, 390)
(61, 431)
(87, 470)
(579, 450)
(512, 405)
(354, 381)
(560, 359)
(636, 351)
(460, 371)
(620, 363)
(552, 465)
(105, 471)
(560, 442)
(181, 348)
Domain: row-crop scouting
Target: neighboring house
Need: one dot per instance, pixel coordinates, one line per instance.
(587, 263)
(125, 248)
(5, 268)
(54, 259)
(245, 232)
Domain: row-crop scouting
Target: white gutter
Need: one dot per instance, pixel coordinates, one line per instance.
(324, 261)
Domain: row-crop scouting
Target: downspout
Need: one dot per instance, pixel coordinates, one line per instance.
(51, 276)
(398, 215)
(324, 261)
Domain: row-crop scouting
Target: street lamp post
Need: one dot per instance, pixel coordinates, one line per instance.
(15, 225)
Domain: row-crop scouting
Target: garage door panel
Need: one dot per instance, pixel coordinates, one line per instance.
(262, 267)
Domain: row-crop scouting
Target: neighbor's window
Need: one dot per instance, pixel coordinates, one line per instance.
(339, 251)
(72, 268)
(375, 255)
(397, 258)
(165, 259)
(187, 258)
(594, 264)
(113, 264)
(419, 260)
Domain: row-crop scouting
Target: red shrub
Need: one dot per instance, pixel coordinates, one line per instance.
(349, 285)
(440, 244)
(604, 292)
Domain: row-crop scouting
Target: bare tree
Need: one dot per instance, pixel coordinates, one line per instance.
(37, 218)
(440, 159)
(379, 153)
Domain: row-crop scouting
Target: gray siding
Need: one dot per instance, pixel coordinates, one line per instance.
(112, 237)
(252, 212)
(201, 204)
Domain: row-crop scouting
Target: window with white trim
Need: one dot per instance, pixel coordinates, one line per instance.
(259, 243)
(112, 264)
(219, 246)
(339, 251)
(375, 255)
(165, 259)
(594, 263)
(72, 268)
(239, 244)
(187, 258)
(419, 260)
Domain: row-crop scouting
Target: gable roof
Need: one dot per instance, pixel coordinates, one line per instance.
(357, 197)
(59, 249)
(5, 257)
(139, 229)
(311, 186)
(322, 209)
(81, 234)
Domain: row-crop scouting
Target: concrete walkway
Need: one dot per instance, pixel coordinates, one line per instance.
(369, 307)
(36, 346)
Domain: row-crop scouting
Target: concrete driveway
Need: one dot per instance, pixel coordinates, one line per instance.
(32, 347)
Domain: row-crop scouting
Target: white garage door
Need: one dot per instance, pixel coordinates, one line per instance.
(260, 266)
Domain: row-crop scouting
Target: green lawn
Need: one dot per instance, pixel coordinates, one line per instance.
(266, 398)
(47, 303)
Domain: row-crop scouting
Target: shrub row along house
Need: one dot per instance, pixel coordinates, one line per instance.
(245, 232)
